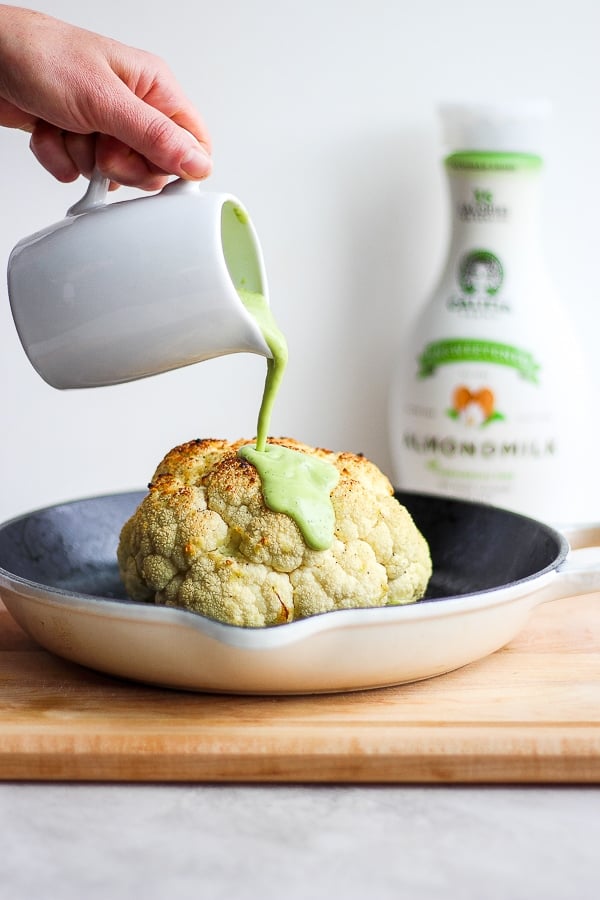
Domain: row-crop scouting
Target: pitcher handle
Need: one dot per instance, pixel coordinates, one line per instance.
(94, 196)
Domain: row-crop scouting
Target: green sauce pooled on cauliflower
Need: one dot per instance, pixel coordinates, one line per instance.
(203, 539)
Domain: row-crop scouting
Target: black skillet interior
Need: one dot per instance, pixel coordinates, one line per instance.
(474, 547)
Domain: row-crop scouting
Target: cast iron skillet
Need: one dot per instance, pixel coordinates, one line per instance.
(59, 580)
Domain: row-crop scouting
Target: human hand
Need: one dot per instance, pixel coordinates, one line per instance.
(92, 103)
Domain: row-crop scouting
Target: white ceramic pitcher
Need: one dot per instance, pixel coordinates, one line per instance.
(119, 291)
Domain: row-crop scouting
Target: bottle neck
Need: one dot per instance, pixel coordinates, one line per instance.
(493, 194)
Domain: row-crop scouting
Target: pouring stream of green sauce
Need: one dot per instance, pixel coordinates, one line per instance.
(293, 483)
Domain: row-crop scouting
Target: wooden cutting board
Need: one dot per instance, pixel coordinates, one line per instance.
(529, 713)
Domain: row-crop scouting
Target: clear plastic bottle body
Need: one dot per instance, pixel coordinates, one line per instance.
(489, 396)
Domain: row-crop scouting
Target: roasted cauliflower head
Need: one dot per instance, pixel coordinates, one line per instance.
(203, 539)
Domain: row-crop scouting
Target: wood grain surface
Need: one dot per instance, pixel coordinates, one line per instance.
(529, 713)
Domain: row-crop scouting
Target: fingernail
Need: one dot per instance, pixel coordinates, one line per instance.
(197, 163)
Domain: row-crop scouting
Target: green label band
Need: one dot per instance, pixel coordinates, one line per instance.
(483, 160)
(442, 353)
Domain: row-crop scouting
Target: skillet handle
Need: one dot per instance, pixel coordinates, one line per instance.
(578, 574)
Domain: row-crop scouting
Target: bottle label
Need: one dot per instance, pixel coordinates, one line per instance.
(460, 350)
(477, 423)
(490, 161)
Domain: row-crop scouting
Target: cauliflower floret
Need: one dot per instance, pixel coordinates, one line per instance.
(203, 539)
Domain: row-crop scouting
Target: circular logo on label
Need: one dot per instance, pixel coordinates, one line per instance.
(480, 273)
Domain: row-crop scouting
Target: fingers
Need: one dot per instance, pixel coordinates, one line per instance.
(67, 155)
(168, 149)
(114, 160)
(95, 153)
(117, 161)
(48, 146)
(82, 150)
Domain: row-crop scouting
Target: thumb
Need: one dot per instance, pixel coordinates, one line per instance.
(178, 145)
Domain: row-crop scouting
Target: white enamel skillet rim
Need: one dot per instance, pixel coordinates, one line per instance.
(59, 580)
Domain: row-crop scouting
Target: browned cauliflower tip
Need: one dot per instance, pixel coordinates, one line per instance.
(204, 540)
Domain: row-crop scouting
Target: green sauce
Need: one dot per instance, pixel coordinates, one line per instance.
(258, 307)
(298, 485)
(293, 483)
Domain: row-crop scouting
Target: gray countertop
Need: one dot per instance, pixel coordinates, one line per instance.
(239, 841)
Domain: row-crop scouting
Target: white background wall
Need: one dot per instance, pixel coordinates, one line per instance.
(323, 119)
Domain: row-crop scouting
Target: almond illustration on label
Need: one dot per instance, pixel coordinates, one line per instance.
(474, 408)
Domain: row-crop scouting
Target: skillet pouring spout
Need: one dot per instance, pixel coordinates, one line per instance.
(59, 580)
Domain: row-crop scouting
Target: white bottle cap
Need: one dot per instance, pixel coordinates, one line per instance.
(518, 127)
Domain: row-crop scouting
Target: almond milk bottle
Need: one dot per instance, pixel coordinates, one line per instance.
(490, 398)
